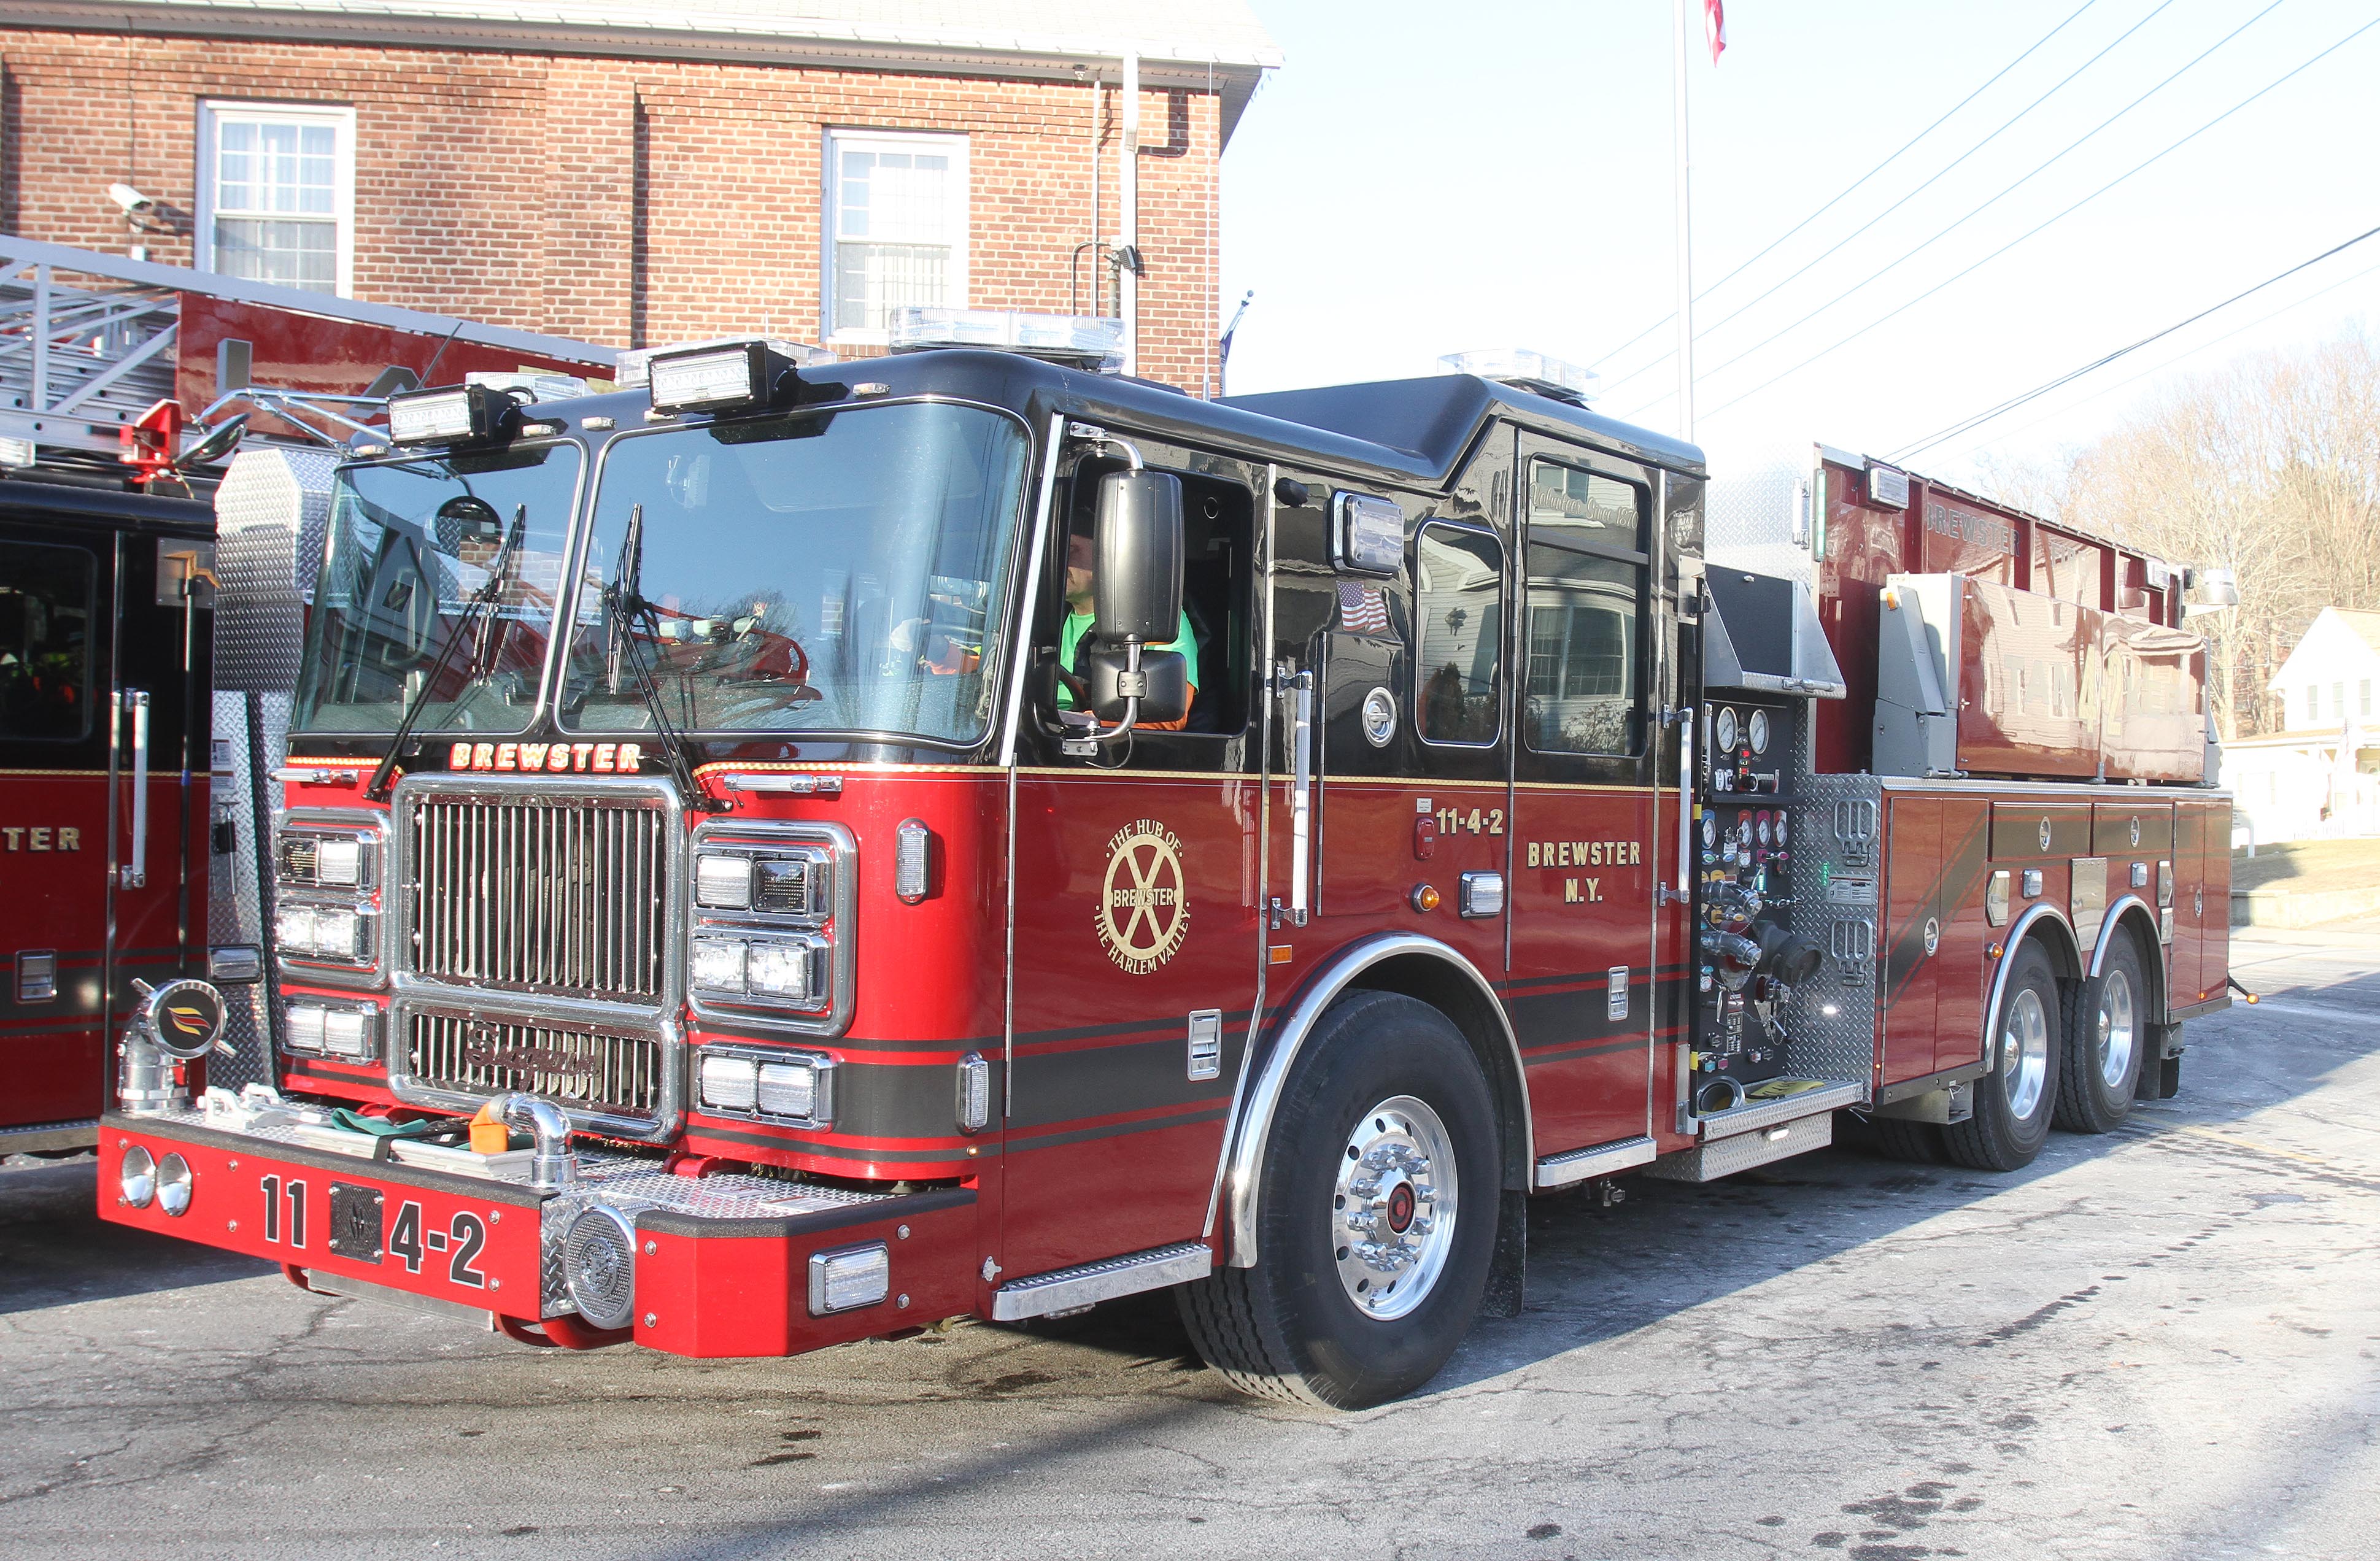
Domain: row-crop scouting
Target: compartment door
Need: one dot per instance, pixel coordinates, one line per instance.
(1911, 935)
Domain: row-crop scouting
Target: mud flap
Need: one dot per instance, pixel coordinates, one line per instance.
(2161, 1069)
(1507, 1268)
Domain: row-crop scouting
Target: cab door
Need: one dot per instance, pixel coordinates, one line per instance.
(1138, 885)
(1587, 862)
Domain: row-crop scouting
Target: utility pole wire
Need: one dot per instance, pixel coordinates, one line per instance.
(2049, 221)
(2347, 280)
(2004, 193)
(1978, 419)
(1879, 168)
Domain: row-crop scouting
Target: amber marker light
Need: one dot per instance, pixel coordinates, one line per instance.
(1425, 898)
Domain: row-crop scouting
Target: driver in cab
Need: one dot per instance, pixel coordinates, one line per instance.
(1074, 692)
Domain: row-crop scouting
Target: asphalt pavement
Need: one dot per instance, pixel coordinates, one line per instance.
(2160, 1343)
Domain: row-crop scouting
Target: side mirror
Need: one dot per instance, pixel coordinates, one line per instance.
(1138, 544)
(2216, 588)
(1165, 693)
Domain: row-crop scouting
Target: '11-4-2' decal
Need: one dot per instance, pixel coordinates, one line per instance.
(463, 1238)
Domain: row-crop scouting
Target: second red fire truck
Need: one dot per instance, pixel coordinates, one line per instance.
(795, 851)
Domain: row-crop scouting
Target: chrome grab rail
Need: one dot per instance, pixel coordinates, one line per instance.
(135, 871)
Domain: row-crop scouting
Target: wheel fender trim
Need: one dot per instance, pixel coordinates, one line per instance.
(2112, 928)
(1252, 1129)
(2021, 930)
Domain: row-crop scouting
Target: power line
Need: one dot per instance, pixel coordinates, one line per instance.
(2206, 346)
(2047, 223)
(2004, 193)
(1879, 168)
(1980, 418)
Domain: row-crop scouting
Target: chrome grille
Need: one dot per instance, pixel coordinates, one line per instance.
(565, 894)
(617, 1073)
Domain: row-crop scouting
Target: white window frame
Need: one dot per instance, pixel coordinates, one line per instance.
(943, 143)
(211, 111)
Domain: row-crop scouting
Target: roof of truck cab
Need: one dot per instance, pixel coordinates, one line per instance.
(1409, 432)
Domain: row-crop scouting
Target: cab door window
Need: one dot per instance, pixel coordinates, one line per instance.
(1458, 618)
(1588, 576)
(46, 613)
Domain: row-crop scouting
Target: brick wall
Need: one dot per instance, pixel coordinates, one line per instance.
(620, 202)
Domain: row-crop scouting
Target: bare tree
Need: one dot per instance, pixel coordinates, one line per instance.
(2270, 467)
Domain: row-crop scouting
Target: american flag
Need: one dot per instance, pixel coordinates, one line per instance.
(1364, 608)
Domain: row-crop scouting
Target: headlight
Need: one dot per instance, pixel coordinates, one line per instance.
(351, 1034)
(797, 1086)
(790, 885)
(779, 972)
(327, 859)
(173, 1185)
(137, 1176)
(340, 933)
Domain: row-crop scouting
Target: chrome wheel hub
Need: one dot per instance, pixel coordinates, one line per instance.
(2118, 1032)
(1393, 1208)
(2024, 1052)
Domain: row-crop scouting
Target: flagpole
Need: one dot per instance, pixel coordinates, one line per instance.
(1685, 244)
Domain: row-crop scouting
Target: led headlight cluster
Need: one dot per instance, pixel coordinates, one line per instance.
(766, 939)
(329, 912)
(795, 1086)
(348, 1032)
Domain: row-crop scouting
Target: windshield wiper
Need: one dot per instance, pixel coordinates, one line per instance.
(480, 610)
(623, 604)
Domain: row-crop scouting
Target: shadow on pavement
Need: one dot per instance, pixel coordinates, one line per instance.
(55, 1250)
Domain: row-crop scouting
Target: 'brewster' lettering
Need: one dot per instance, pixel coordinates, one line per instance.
(551, 759)
(1585, 853)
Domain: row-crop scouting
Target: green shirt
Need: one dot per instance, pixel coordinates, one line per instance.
(1077, 625)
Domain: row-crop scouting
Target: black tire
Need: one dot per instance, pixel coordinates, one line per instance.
(1896, 1138)
(1289, 1328)
(2015, 1101)
(2088, 1100)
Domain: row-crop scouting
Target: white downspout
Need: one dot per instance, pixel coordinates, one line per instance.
(1128, 194)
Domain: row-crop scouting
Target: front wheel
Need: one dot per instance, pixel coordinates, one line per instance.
(1377, 1220)
(2015, 1099)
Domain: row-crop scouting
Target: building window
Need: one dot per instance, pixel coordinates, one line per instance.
(276, 194)
(2314, 703)
(2339, 701)
(896, 228)
(2363, 698)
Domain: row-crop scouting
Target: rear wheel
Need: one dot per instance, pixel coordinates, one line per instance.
(2015, 1100)
(1378, 1218)
(2102, 1066)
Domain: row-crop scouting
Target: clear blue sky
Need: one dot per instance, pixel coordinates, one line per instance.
(1420, 178)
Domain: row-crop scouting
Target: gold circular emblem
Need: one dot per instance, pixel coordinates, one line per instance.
(1144, 906)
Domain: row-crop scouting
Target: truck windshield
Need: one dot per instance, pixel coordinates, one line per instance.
(410, 543)
(837, 571)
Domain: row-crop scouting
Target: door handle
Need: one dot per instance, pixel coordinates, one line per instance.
(1300, 689)
(135, 871)
(1683, 894)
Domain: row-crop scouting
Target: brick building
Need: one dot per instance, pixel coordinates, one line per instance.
(635, 174)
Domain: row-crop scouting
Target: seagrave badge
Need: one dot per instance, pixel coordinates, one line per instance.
(1144, 909)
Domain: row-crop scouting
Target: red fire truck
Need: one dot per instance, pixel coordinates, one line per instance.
(120, 833)
(794, 851)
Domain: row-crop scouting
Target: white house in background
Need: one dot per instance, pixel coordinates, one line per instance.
(2319, 775)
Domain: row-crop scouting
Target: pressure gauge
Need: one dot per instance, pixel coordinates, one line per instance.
(1723, 729)
(1744, 830)
(1756, 729)
(1781, 831)
(1764, 828)
(1710, 832)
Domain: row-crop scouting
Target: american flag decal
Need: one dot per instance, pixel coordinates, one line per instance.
(1363, 609)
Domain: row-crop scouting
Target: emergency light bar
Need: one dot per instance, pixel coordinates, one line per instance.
(1082, 341)
(635, 366)
(455, 415)
(1536, 372)
(718, 378)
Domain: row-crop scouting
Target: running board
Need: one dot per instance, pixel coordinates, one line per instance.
(1071, 1289)
(1602, 1159)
